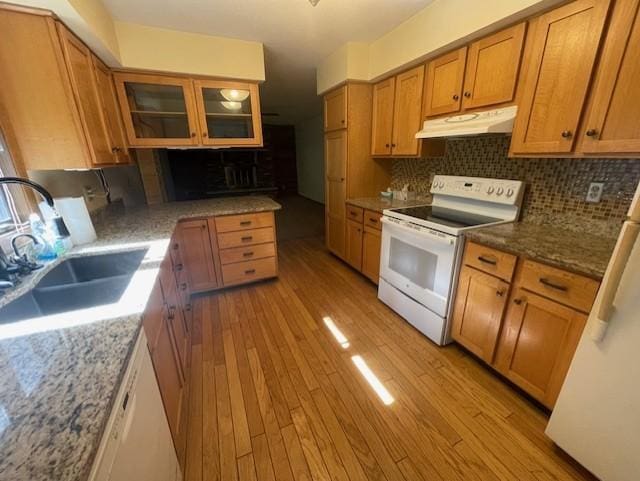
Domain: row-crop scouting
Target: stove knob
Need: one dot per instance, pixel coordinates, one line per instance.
(441, 185)
(509, 192)
(499, 191)
(490, 190)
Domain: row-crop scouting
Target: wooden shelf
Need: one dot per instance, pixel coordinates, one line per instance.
(228, 115)
(155, 112)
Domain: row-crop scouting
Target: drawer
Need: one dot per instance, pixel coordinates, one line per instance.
(372, 219)
(565, 287)
(241, 254)
(354, 213)
(245, 237)
(491, 261)
(255, 220)
(249, 271)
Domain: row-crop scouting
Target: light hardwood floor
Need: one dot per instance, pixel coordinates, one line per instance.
(276, 396)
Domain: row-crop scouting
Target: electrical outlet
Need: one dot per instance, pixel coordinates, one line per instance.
(594, 194)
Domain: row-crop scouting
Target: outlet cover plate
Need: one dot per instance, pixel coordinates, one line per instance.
(594, 194)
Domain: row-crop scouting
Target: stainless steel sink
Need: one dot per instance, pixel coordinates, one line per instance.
(76, 283)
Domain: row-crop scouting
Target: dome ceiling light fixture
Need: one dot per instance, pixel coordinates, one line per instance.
(234, 95)
(314, 2)
(231, 105)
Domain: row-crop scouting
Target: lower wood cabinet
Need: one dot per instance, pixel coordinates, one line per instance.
(526, 322)
(363, 239)
(198, 254)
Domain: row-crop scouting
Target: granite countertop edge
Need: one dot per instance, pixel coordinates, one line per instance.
(378, 204)
(120, 230)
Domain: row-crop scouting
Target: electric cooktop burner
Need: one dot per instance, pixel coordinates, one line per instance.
(446, 217)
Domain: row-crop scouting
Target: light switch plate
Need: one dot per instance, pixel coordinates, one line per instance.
(594, 194)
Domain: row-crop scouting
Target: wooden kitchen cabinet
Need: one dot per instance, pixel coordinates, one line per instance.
(382, 116)
(478, 310)
(371, 243)
(522, 317)
(350, 171)
(492, 68)
(561, 50)
(335, 152)
(228, 112)
(197, 255)
(443, 89)
(397, 116)
(538, 342)
(158, 111)
(55, 104)
(612, 122)
(335, 109)
(354, 244)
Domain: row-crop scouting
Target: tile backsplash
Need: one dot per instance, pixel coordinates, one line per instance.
(555, 188)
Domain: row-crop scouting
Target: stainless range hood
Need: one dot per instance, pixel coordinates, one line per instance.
(499, 121)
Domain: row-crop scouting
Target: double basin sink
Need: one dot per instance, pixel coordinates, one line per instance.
(76, 283)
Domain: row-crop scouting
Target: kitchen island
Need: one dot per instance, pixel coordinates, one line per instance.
(60, 374)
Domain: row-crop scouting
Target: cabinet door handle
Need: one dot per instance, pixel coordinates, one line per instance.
(176, 246)
(193, 134)
(467, 95)
(246, 238)
(187, 308)
(171, 313)
(487, 261)
(552, 285)
(393, 145)
(500, 292)
(183, 286)
(456, 97)
(386, 145)
(250, 271)
(205, 134)
(342, 121)
(245, 222)
(247, 254)
(591, 133)
(518, 301)
(567, 134)
(179, 267)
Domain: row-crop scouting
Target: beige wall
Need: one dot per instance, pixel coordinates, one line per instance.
(152, 48)
(441, 25)
(310, 158)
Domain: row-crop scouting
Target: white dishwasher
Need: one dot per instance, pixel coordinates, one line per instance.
(137, 443)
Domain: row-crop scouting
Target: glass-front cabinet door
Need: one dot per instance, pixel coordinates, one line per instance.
(158, 111)
(229, 113)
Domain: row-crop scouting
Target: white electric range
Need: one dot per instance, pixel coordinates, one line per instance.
(422, 246)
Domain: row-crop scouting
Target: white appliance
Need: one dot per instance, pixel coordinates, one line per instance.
(597, 416)
(137, 443)
(422, 246)
(498, 121)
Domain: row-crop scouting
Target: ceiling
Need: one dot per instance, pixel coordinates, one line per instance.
(296, 36)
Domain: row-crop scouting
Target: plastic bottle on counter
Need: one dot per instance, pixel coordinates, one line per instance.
(45, 250)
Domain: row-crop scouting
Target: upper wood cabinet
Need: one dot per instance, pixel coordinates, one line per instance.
(561, 51)
(612, 122)
(382, 116)
(157, 110)
(229, 113)
(492, 68)
(484, 73)
(111, 111)
(335, 109)
(396, 116)
(443, 89)
(53, 105)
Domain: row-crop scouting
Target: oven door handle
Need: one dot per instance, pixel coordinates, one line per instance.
(424, 231)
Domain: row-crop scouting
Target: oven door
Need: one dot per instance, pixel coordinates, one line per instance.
(419, 262)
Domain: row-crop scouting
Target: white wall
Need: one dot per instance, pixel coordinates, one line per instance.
(310, 158)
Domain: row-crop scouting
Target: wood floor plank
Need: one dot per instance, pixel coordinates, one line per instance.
(238, 410)
(210, 435)
(309, 446)
(262, 458)
(226, 436)
(194, 466)
(297, 460)
(246, 468)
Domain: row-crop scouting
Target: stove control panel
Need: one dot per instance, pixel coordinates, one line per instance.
(498, 191)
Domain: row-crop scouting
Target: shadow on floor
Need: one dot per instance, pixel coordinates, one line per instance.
(299, 218)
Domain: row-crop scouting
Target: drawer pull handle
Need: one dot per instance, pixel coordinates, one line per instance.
(250, 271)
(371, 219)
(487, 261)
(353, 214)
(245, 222)
(247, 238)
(548, 283)
(247, 254)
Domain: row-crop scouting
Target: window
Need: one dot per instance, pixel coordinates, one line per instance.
(14, 204)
